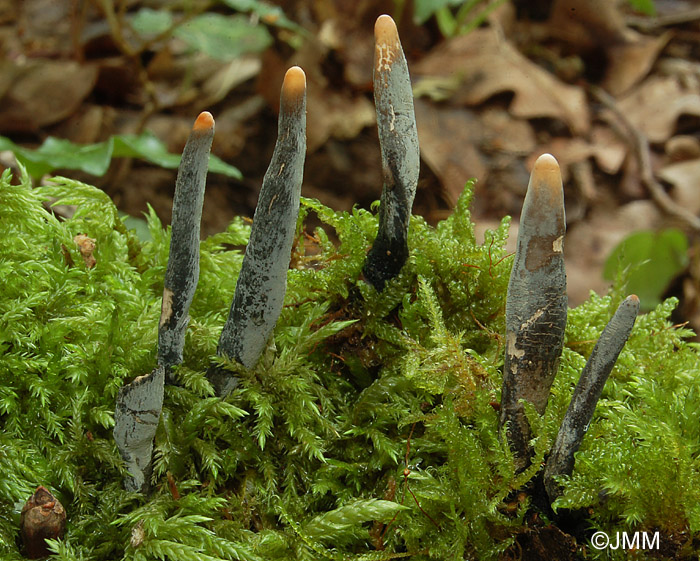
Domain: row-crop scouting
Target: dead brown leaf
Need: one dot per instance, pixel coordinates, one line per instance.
(682, 147)
(86, 246)
(230, 75)
(337, 115)
(43, 92)
(448, 137)
(685, 178)
(629, 62)
(500, 132)
(654, 107)
(586, 23)
(588, 244)
(487, 64)
(608, 150)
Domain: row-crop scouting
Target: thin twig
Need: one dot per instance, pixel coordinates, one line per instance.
(642, 152)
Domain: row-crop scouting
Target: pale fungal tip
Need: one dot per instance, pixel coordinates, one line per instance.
(633, 298)
(546, 162)
(546, 174)
(204, 122)
(385, 31)
(294, 82)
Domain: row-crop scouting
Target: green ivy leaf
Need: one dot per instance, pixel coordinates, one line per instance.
(650, 261)
(223, 37)
(273, 15)
(148, 22)
(424, 9)
(56, 153)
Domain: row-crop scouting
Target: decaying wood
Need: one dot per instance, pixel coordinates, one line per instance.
(262, 283)
(182, 274)
(398, 139)
(587, 393)
(536, 306)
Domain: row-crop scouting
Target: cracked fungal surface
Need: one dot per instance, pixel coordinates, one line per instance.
(536, 306)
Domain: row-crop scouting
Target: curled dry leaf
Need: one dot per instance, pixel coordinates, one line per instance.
(654, 107)
(456, 142)
(586, 24)
(336, 115)
(590, 241)
(43, 516)
(448, 141)
(86, 246)
(682, 148)
(488, 65)
(42, 92)
(599, 24)
(629, 62)
(608, 150)
(331, 113)
(684, 176)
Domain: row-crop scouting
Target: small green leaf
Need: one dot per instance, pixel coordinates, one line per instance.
(650, 261)
(272, 15)
(645, 7)
(222, 37)
(94, 159)
(148, 22)
(56, 153)
(424, 9)
(139, 226)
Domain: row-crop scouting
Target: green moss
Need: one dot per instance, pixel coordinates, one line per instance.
(368, 430)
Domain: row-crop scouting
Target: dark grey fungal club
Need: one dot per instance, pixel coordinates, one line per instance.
(588, 392)
(135, 422)
(262, 282)
(536, 306)
(398, 139)
(139, 403)
(182, 274)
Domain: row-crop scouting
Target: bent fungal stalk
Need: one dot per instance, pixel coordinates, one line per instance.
(139, 403)
(261, 285)
(587, 393)
(535, 306)
(398, 140)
